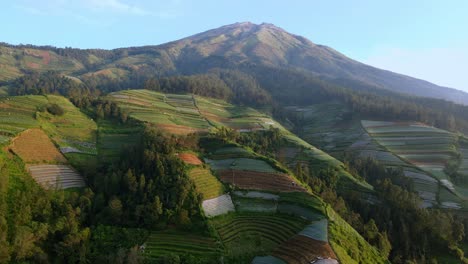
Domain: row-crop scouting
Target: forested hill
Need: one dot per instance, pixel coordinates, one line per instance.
(227, 47)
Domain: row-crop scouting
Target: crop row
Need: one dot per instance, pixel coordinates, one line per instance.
(162, 243)
(206, 183)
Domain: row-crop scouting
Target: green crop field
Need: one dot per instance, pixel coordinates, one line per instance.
(206, 183)
(255, 205)
(255, 233)
(241, 164)
(113, 138)
(177, 242)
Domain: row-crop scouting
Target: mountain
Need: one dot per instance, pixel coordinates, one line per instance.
(270, 45)
(229, 46)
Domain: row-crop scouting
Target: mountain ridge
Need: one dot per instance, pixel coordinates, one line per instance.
(227, 46)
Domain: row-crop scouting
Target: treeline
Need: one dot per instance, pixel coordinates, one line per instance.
(148, 187)
(393, 220)
(229, 85)
(293, 87)
(39, 226)
(256, 85)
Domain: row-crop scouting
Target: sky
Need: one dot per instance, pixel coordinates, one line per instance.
(426, 39)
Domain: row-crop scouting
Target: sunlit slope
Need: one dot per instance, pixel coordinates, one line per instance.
(184, 114)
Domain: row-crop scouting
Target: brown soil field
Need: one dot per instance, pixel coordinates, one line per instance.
(179, 130)
(301, 250)
(260, 180)
(190, 158)
(34, 146)
(45, 57)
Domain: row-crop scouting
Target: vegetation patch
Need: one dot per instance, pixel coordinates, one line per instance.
(255, 180)
(206, 183)
(302, 249)
(190, 158)
(255, 234)
(34, 146)
(160, 243)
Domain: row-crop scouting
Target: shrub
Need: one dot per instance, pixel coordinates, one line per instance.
(55, 109)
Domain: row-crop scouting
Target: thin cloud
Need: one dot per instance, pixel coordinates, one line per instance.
(115, 6)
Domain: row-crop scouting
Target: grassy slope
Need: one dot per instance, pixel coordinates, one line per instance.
(14, 60)
(206, 183)
(73, 129)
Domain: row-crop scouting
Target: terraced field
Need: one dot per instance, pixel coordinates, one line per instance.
(176, 114)
(218, 206)
(254, 233)
(183, 114)
(177, 242)
(18, 114)
(73, 131)
(56, 176)
(241, 164)
(190, 158)
(114, 137)
(425, 147)
(301, 249)
(206, 183)
(260, 180)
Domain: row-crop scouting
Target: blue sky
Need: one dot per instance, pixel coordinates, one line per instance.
(425, 39)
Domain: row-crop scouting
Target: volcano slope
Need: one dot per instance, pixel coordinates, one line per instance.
(273, 211)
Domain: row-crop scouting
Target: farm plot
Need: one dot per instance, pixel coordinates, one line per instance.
(318, 230)
(241, 164)
(172, 113)
(230, 153)
(423, 146)
(73, 129)
(242, 119)
(463, 169)
(300, 211)
(267, 260)
(113, 138)
(177, 242)
(206, 183)
(218, 206)
(190, 158)
(301, 250)
(18, 114)
(253, 201)
(34, 146)
(255, 205)
(260, 180)
(257, 233)
(56, 176)
(257, 195)
(426, 187)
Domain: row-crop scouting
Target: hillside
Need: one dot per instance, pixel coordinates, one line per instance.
(232, 46)
(241, 144)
